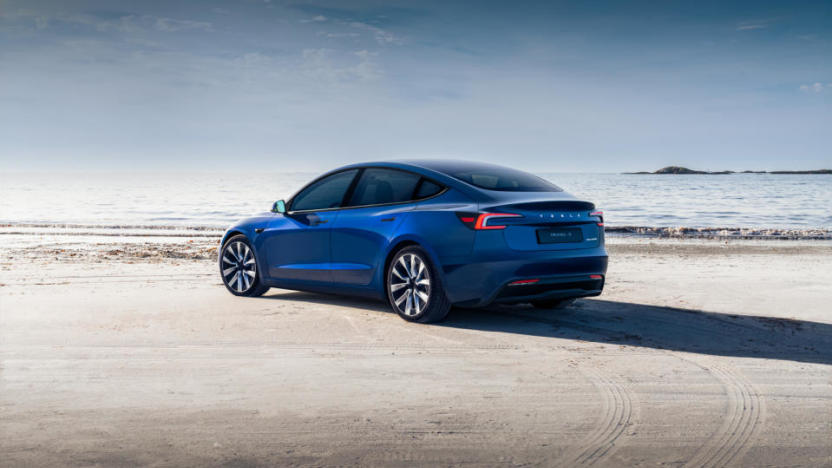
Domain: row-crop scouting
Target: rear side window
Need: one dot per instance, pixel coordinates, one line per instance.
(326, 193)
(377, 186)
(427, 189)
(505, 180)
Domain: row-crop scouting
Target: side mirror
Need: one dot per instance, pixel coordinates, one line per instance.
(279, 206)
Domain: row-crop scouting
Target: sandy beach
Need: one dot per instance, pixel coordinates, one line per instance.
(445, 152)
(699, 353)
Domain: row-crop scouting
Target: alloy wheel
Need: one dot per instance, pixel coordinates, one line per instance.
(239, 268)
(409, 285)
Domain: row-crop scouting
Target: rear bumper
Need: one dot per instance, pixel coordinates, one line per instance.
(556, 287)
(479, 280)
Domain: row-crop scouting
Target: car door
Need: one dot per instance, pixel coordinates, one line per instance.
(297, 244)
(378, 204)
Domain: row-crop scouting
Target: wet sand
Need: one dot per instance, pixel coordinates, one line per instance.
(699, 353)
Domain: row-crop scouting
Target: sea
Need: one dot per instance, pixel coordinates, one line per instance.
(200, 201)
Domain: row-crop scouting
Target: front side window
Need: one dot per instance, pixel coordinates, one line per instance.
(378, 186)
(325, 193)
(505, 180)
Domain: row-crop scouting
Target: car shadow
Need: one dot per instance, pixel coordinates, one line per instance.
(330, 299)
(632, 324)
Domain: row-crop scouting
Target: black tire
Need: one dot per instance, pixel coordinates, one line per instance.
(553, 303)
(407, 272)
(239, 270)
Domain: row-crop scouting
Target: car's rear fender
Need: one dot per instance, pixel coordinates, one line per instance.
(401, 242)
(434, 226)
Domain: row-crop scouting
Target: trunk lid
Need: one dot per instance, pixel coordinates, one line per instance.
(551, 225)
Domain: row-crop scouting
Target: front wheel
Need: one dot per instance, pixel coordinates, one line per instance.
(414, 288)
(238, 268)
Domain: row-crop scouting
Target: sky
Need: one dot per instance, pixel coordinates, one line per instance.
(548, 86)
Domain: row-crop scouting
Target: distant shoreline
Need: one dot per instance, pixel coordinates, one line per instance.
(678, 170)
(104, 234)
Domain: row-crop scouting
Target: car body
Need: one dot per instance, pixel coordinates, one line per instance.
(489, 233)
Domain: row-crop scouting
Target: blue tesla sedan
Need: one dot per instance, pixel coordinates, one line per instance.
(423, 235)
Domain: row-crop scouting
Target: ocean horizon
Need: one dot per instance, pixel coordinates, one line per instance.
(215, 200)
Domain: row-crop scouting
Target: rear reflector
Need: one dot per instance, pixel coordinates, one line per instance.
(595, 277)
(467, 218)
(521, 282)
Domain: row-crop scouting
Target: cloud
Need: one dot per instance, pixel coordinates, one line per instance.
(123, 23)
(174, 25)
(751, 25)
(105, 21)
(332, 35)
(366, 69)
(327, 65)
(23, 18)
(316, 19)
(381, 36)
(816, 87)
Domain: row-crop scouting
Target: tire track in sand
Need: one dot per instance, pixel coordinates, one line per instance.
(617, 415)
(617, 402)
(744, 419)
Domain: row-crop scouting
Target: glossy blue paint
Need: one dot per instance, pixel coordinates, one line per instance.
(327, 266)
(345, 249)
(361, 236)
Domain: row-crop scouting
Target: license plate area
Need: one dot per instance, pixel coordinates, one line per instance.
(559, 235)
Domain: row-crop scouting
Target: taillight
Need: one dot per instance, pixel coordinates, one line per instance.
(600, 215)
(482, 221)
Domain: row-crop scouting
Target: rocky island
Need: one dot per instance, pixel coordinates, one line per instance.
(685, 170)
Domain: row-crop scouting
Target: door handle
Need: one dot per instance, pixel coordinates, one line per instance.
(384, 220)
(316, 222)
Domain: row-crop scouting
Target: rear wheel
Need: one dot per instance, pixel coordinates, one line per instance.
(238, 268)
(553, 303)
(414, 289)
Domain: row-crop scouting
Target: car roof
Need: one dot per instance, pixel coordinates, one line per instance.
(437, 165)
(440, 170)
(449, 166)
(444, 167)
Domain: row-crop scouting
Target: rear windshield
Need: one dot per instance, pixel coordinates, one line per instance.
(505, 180)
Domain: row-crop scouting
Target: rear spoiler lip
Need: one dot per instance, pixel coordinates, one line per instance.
(495, 198)
(548, 206)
